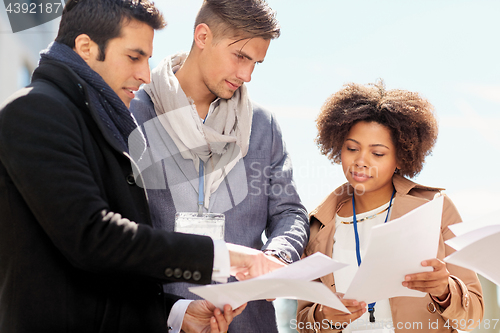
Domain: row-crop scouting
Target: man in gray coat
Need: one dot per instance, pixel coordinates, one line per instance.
(212, 150)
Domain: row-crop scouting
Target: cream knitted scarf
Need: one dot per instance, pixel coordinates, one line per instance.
(220, 142)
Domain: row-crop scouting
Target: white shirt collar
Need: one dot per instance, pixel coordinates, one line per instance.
(212, 107)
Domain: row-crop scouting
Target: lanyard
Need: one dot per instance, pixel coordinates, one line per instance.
(201, 182)
(201, 189)
(371, 306)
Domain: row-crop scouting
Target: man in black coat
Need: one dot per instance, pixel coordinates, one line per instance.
(77, 250)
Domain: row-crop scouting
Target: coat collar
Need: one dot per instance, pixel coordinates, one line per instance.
(325, 212)
(75, 88)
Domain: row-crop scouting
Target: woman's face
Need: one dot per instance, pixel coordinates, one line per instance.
(369, 158)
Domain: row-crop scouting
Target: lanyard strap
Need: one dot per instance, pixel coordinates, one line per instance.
(201, 189)
(201, 182)
(371, 306)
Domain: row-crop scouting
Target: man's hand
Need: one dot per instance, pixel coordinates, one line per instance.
(338, 319)
(247, 263)
(203, 317)
(435, 283)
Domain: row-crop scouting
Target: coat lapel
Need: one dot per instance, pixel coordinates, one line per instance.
(404, 203)
(325, 213)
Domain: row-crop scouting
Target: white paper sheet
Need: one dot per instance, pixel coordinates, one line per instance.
(307, 269)
(292, 282)
(475, 249)
(237, 293)
(465, 227)
(472, 236)
(396, 249)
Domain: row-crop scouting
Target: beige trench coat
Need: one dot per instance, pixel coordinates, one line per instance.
(409, 314)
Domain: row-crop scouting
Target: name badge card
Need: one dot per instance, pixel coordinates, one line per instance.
(208, 224)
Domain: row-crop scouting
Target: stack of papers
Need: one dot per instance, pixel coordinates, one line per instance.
(475, 248)
(395, 249)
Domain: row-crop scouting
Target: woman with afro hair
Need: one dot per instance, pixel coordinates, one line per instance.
(381, 139)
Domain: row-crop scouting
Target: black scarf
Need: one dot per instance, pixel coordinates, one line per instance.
(111, 109)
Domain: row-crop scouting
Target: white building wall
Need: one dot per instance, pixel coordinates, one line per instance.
(19, 52)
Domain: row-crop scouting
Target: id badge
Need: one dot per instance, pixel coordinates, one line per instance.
(208, 224)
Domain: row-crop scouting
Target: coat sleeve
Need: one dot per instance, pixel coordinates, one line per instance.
(466, 301)
(307, 321)
(311, 321)
(287, 225)
(47, 153)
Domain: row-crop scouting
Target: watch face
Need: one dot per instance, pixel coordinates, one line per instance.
(285, 256)
(282, 255)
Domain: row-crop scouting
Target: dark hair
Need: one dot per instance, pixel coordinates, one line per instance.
(408, 116)
(239, 19)
(102, 20)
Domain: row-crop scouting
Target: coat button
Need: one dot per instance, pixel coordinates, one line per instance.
(431, 307)
(196, 276)
(187, 275)
(131, 179)
(177, 273)
(169, 272)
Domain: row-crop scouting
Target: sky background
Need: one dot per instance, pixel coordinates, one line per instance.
(449, 51)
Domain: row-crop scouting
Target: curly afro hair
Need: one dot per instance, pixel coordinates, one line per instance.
(408, 116)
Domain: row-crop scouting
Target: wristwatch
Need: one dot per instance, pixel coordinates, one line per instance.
(281, 255)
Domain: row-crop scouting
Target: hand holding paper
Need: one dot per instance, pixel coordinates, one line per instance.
(202, 316)
(292, 281)
(247, 263)
(340, 319)
(396, 249)
(434, 283)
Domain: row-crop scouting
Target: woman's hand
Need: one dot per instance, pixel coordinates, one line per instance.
(435, 283)
(338, 319)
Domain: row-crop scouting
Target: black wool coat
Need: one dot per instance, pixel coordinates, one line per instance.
(77, 250)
